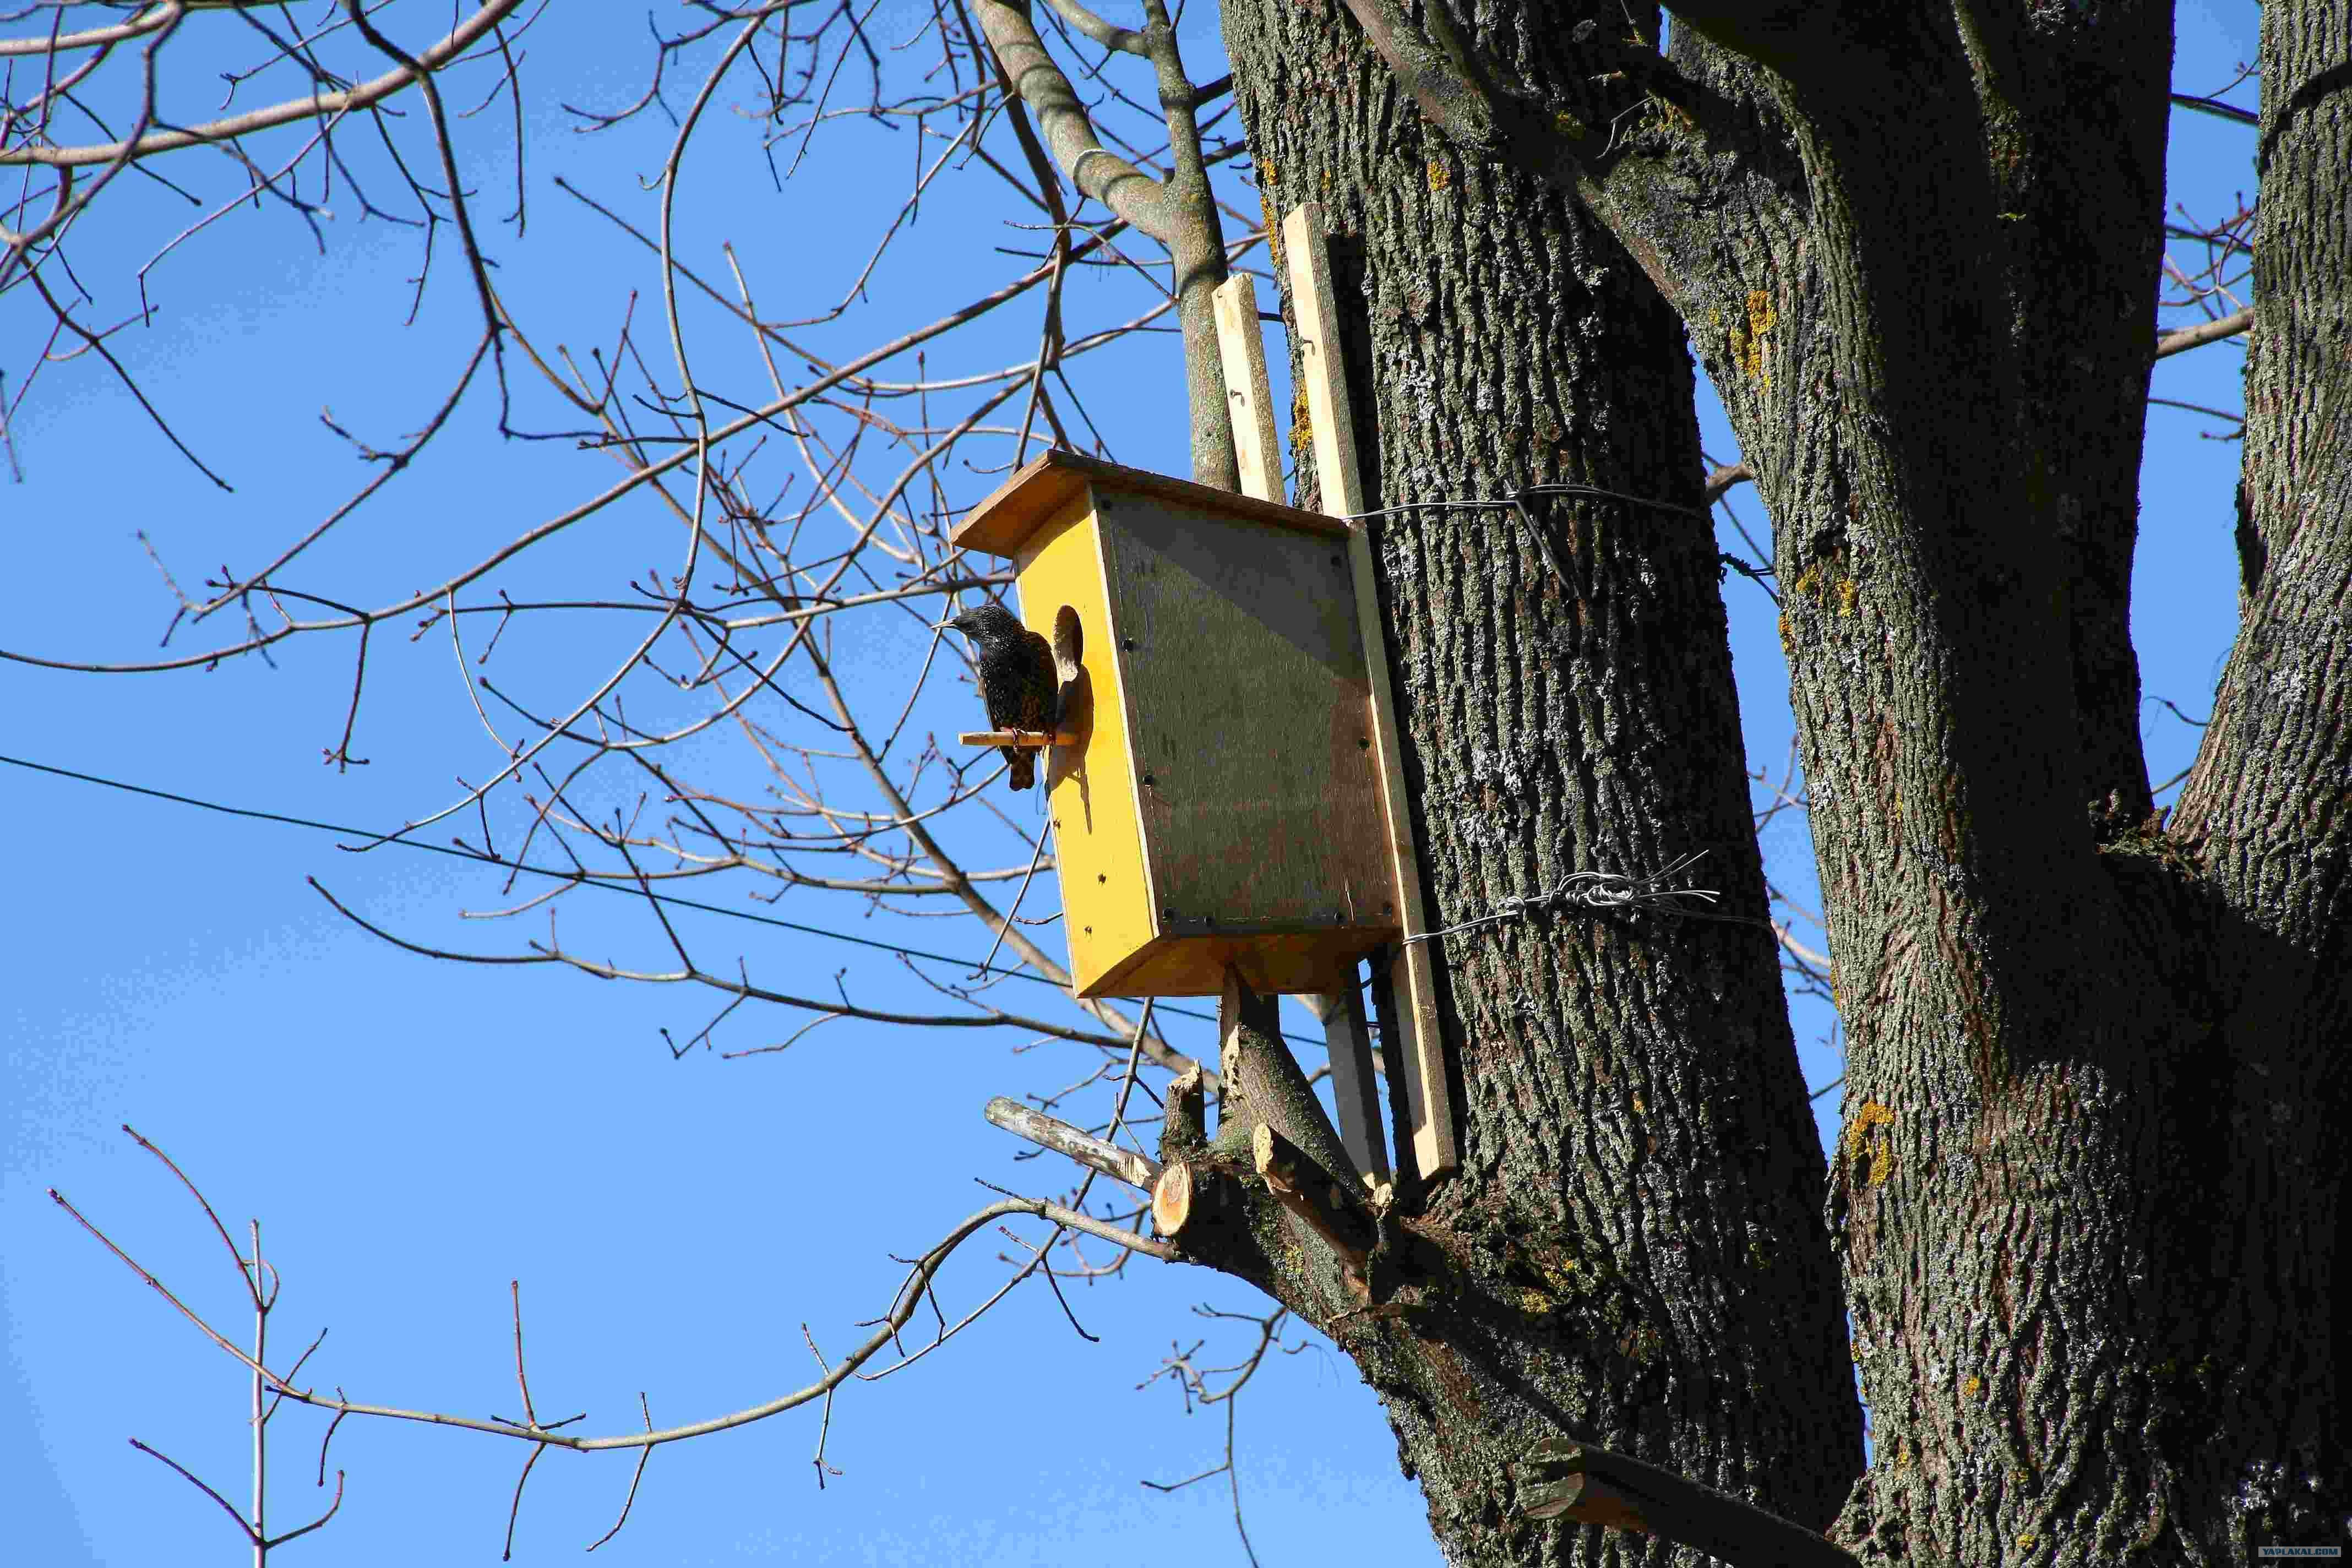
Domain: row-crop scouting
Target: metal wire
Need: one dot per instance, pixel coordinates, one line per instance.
(1607, 891)
(1586, 889)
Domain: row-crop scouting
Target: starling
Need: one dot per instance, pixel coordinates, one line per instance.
(1017, 681)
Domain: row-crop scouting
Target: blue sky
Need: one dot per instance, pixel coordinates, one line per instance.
(415, 1135)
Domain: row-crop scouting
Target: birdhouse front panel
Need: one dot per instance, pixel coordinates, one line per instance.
(1220, 804)
(1107, 907)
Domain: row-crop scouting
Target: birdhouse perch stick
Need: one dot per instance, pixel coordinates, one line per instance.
(1033, 738)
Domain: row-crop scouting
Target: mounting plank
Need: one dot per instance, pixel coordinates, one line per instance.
(1421, 1058)
(1242, 347)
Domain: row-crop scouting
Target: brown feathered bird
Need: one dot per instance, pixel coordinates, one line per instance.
(1017, 681)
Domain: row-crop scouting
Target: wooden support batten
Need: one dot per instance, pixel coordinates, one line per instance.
(1241, 345)
(1421, 1059)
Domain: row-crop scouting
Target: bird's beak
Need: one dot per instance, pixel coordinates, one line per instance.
(948, 625)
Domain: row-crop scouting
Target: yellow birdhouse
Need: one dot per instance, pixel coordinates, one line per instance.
(1215, 793)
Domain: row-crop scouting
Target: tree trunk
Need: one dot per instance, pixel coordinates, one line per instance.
(1631, 1250)
(2089, 1198)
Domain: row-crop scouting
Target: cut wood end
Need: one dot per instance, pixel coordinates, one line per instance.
(1267, 1154)
(1172, 1199)
(1034, 739)
(1588, 1499)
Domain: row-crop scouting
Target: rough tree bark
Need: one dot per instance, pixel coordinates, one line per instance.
(2090, 1195)
(1632, 1250)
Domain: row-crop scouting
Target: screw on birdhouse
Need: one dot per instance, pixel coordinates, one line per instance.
(1363, 743)
(1128, 644)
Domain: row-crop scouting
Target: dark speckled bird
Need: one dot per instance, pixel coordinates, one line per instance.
(1017, 681)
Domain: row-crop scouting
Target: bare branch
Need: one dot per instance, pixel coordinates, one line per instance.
(463, 37)
(1087, 1150)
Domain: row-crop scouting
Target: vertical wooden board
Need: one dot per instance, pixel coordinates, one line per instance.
(1321, 367)
(1242, 346)
(1106, 900)
(1241, 667)
(1348, 1038)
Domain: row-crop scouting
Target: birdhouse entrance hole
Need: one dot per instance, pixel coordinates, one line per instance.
(1214, 801)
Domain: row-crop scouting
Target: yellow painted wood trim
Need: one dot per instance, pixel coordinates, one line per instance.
(1107, 915)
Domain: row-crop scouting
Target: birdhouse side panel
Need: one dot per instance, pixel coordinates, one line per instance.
(1248, 707)
(1106, 900)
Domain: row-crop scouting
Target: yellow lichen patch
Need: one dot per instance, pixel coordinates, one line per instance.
(1668, 117)
(1903, 1455)
(1748, 340)
(1440, 176)
(1870, 1113)
(2025, 1543)
(1971, 1387)
(1809, 578)
(1533, 1303)
(1864, 1139)
(1847, 591)
(1568, 125)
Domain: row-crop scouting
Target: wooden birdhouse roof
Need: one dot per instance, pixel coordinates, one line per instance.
(1023, 503)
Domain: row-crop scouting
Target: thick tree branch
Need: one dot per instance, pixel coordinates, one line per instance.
(1180, 211)
(1561, 1478)
(1096, 30)
(1137, 197)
